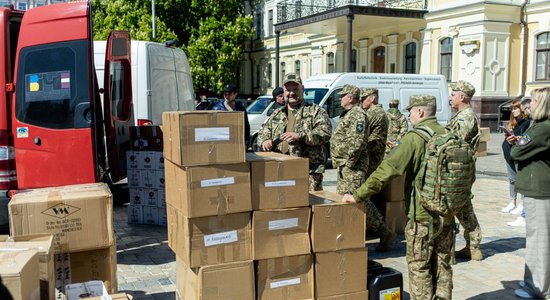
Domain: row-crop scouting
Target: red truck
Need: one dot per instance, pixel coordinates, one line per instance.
(54, 130)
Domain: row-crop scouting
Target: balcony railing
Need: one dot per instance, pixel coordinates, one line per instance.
(289, 10)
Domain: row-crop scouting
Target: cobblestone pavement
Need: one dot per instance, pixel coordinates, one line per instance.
(146, 265)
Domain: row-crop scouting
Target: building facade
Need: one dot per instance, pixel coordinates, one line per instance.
(501, 46)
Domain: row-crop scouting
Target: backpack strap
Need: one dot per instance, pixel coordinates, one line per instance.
(424, 132)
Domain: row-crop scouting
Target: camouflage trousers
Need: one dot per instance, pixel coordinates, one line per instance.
(472, 231)
(315, 181)
(375, 221)
(348, 180)
(430, 271)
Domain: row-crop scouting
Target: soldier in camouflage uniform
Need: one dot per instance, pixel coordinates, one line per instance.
(430, 271)
(348, 147)
(397, 125)
(298, 129)
(378, 126)
(466, 124)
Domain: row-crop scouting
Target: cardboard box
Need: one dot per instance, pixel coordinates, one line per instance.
(150, 215)
(394, 191)
(285, 277)
(209, 240)
(278, 180)
(352, 296)
(135, 214)
(79, 216)
(336, 225)
(100, 264)
(134, 178)
(225, 281)
(279, 233)
(132, 158)
(340, 272)
(485, 134)
(395, 216)
(146, 138)
(43, 244)
(136, 196)
(93, 288)
(481, 149)
(208, 190)
(19, 272)
(194, 138)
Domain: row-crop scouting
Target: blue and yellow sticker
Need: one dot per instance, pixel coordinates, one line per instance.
(22, 132)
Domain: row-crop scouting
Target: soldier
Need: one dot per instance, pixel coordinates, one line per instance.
(397, 126)
(466, 124)
(348, 146)
(378, 126)
(430, 271)
(299, 129)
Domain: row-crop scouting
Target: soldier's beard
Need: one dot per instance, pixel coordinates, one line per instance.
(294, 102)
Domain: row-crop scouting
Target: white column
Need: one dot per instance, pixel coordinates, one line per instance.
(339, 57)
(363, 55)
(426, 56)
(392, 53)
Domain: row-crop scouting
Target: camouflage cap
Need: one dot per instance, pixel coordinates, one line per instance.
(369, 91)
(350, 89)
(394, 102)
(465, 87)
(421, 100)
(291, 77)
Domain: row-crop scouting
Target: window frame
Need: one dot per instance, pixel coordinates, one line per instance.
(443, 45)
(546, 51)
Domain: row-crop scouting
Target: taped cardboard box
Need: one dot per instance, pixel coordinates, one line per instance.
(335, 225)
(43, 244)
(209, 240)
(146, 138)
(281, 232)
(394, 191)
(224, 281)
(278, 180)
(288, 277)
(395, 216)
(485, 134)
(340, 272)
(79, 216)
(75, 267)
(352, 296)
(194, 138)
(19, 273)
(208, 190)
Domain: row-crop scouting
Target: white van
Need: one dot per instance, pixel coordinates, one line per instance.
(161, 79)
(323, 90)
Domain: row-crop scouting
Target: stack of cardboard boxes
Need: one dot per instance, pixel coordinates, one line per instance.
(80, 219)
(244, 229)
(391, 203)
(145, 166)
(483, 139)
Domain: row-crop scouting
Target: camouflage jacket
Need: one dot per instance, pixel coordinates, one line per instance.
(378, 126)
(466, 123)
(348, 145)
(397, 126)
(312, 124)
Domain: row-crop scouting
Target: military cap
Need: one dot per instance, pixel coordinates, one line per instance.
(369, 91)
(350, 89)
(229, 88)
(421, 100)
(465, 87)
(291, 77)
(394, 102)
(276, 92)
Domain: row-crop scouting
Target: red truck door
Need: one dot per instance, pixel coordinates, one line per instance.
(57, 119)
(117, 101)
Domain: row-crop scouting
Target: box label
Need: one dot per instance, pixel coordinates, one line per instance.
(280, 183)
(278, 284)
(390, 294)
(212, 134)
(220, 238)
(283, 224)
(217, 181)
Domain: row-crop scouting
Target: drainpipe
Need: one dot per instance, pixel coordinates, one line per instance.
(525, 37)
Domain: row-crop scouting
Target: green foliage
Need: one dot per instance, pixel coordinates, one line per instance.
(211, 32)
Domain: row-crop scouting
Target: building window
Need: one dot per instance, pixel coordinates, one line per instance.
(283, 71)
(410, 58)
(297, 67)
(446, 58)
(22, 5)
(270, 22)
(258, 75)
(269, 74)
(283, 13)
(354, 60)
(298, 8)
(258, 26)
(330, 62)
(543, 59)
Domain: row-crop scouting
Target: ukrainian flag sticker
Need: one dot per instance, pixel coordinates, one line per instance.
(34, 86)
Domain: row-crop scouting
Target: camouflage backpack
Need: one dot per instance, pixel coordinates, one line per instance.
(447, 172)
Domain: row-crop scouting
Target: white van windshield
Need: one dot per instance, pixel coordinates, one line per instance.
(314, 95)
(258, 106)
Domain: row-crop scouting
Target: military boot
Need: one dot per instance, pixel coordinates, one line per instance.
(386, 238)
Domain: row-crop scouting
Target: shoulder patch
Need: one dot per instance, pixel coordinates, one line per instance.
(360, 127)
